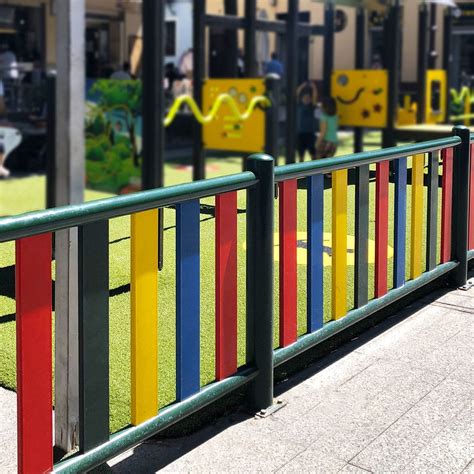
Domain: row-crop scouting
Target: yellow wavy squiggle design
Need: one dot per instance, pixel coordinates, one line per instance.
(221, 99)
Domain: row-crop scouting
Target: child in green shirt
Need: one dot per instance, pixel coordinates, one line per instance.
(326, 145)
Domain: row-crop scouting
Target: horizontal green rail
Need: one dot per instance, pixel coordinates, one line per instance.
(130, 437)
(330, 329)
(301, 170)
(50, 220)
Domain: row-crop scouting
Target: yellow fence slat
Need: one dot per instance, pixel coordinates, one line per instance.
(339, 244)
(144, 327)
(418, 162)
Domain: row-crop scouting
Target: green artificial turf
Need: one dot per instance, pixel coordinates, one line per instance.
(21, 195)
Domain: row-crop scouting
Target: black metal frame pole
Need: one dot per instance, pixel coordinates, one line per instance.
(448, 56)
(460, 209)
(153, 104)
(153, 94)
(199, 40)
(328, 54)
(271, 117)
(251, 69)
(231, 40)
(359, 64)
(291, 74)
(392, 64)
(51, 141)
(423, 23)
(433, 54)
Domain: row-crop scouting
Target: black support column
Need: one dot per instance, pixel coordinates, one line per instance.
(423, 23)
(199, 40)
(328, 57)
(447, 54)
(251, 69)
(392, 64)
(231, 41)
(291, 74)
(359, 64)
(433, 55)
(153, 94)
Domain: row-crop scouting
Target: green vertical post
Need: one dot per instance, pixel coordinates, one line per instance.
(460, 208)
(432, 221)
(93, 334)
(260, 220)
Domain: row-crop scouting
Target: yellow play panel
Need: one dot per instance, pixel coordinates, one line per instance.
(362, 97)
(226, 131)
(436, 90)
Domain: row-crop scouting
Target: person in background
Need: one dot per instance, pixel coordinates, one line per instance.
(186, 63)
(240, 64)
(8, 63)
(274, 66)
(3, 109)
(123, 74)
(307, 96)
(172, 75)
(326, 145)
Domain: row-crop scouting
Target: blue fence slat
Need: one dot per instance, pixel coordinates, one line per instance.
(315, 252)
(400, 222)
(187, 299)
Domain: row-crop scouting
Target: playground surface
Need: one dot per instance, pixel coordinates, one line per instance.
(26, 194)
(396, 399)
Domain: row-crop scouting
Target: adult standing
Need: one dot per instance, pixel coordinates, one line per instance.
(274, 66)
(8, 63)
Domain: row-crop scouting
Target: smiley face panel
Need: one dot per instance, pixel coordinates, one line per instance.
(361, 97)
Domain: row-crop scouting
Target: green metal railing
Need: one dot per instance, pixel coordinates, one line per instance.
(32, 233)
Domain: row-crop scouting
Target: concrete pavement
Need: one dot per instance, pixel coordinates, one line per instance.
(399, 398)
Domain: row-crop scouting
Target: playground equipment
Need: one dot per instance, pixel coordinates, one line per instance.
(292, 30)
(33, 234)
(361, 97)
(234, 118)
(462, 104)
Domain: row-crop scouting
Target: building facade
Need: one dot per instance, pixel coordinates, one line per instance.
(114, 34)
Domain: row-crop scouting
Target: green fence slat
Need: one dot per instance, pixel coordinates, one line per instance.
(432, 222)
(93, 335)
(361, 284)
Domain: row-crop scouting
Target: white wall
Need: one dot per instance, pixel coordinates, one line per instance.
(181, 11)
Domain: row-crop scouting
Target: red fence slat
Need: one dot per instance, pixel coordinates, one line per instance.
(381, 228)
(471, 201)
(446, 206)
(288, 264)
(34, 353)
(226, 285)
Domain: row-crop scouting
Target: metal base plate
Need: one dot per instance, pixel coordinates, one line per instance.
(469, 284)
(277, 405)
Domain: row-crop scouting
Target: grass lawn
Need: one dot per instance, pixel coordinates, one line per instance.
(25, 194)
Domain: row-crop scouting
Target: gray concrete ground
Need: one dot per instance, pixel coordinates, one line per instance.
(397, 399)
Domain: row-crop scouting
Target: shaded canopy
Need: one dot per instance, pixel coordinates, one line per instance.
(373, 4)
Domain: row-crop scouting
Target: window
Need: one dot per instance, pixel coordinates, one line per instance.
(170, 38)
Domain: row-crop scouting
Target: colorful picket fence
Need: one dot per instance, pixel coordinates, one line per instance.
(33, 235)
(423, 212)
